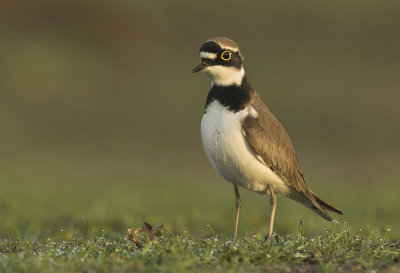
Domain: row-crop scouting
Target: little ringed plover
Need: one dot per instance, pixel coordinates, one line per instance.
(243, 140)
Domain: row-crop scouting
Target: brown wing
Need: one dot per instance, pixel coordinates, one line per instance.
(268, 139)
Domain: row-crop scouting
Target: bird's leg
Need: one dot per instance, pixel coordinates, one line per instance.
(272, 202)
(238, 205)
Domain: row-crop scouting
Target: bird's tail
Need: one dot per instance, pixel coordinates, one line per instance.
(315, 203)
(326, 205)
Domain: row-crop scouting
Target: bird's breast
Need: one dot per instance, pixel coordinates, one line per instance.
(229, 153)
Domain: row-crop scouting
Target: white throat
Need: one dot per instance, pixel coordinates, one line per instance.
(224, 75)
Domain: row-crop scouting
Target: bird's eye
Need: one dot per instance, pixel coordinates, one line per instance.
(226, 55)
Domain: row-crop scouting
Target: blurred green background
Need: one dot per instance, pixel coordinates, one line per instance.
(100, 113)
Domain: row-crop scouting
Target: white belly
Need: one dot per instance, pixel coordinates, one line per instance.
(229, 153)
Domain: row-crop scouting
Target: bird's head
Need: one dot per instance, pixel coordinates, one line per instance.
(221, 61)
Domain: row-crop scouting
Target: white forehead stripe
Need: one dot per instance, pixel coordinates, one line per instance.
(208, 55)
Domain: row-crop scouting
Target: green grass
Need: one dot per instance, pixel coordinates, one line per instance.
(332, 251)
(64, 227)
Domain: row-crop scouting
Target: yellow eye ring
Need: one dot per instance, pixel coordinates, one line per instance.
(228, 57)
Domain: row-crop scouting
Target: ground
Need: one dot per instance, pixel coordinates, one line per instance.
(100, 228)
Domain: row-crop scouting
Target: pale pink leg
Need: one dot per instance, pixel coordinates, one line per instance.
(272, 202)
(238, 205)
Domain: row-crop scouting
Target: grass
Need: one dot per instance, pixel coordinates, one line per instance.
(333, 251)
(65, 227)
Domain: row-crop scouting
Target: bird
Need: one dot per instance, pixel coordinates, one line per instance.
(243, 141)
